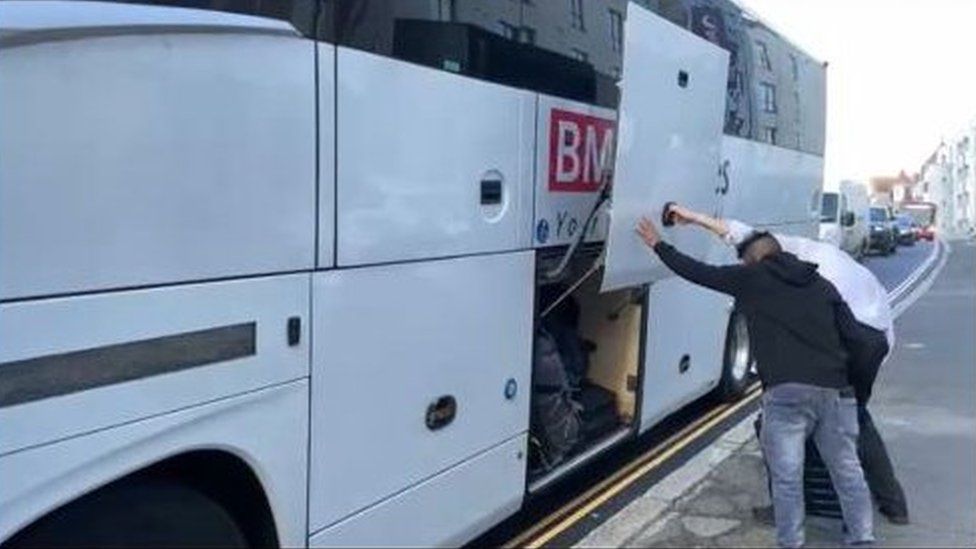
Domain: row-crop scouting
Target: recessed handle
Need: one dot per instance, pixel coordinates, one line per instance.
(683, 79)
(491, 192)
(294, 331)
(667, 216)
(441, 412)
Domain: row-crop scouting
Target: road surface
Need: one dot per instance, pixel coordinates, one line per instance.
(893, 269)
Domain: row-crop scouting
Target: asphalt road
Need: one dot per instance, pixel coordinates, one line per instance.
(893, 269)
(925, 405)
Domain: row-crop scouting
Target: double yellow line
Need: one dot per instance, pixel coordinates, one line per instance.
(571, 513)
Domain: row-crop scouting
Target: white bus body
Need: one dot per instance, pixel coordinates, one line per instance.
(289, 259)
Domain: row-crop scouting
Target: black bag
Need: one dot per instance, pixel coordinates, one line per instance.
(818, 490)
(555, 413)
(562, 324)
(572, 350)
(819, 496)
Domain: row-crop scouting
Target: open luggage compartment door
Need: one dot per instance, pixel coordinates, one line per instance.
(670, 128)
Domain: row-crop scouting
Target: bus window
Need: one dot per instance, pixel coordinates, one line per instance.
(480, 38)
(792, 83)
(575, 49)
(566, 49)
(591, 32)
(721, 23)
(775, 92)
(453, 35)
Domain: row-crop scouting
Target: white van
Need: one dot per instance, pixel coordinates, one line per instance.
(844, 218)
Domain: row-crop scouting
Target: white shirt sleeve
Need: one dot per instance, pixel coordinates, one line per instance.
(738, 231)
(858, 286)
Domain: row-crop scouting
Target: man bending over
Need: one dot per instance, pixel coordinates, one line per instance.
(796, 318)
(872, 339)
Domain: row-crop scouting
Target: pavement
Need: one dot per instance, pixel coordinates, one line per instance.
(924, 405)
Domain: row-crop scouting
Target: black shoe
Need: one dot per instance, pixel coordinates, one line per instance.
(764, 515)
(899, 518)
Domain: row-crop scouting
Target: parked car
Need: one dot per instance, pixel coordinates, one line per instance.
(926, 232)
(924, 214)
(907, 229)
(844, 218)
(884, 231)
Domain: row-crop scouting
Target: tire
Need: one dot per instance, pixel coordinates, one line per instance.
(142, 512)
(738, 366)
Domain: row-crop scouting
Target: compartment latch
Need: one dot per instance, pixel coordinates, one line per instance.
(441, 412)
(491, 192)
(294, 331)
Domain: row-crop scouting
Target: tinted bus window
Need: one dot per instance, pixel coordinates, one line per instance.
(574, 49)
(775, 93)
(591, 32)
(559, 47)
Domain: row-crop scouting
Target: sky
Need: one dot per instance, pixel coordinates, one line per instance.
(901, 75)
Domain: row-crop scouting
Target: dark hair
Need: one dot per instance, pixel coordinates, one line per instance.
(754, 237)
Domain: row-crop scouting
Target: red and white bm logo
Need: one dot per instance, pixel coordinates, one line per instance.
(579, 144)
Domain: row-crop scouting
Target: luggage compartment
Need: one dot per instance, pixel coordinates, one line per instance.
(587, 352)
(416, 368)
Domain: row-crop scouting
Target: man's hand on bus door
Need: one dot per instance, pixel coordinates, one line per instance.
(681, 215)
(648, 232)
(685, 216)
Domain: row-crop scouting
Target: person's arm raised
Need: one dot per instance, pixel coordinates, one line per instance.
(732, 232)
(730, 279)
(687, 216)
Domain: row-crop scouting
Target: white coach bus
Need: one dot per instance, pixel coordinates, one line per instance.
(300, 272)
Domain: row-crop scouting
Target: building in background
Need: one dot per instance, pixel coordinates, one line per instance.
(937, 189)
(894, 190)
(948, 181)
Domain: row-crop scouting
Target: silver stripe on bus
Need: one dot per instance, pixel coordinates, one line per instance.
(28, 380)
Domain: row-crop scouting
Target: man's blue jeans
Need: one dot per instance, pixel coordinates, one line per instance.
(791, 413)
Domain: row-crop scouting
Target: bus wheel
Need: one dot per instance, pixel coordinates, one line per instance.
(141, 512)
(737, 367)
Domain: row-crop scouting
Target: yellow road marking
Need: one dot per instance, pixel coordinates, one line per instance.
(520, 540)
(552, 526)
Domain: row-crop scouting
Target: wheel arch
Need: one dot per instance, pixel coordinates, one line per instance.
(221, 475)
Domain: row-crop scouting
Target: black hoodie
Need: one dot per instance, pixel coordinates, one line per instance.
(796, 318)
